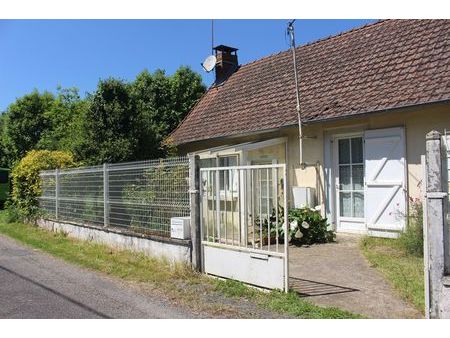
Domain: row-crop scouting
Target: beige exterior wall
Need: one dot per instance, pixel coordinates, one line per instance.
(417, 122)
(267, 154)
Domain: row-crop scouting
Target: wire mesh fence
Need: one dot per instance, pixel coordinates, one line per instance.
(140, 196)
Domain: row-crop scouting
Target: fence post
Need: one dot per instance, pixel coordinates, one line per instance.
(194, 191)
(425, 236)
(436, 227)
(105, 195)
(57, 194)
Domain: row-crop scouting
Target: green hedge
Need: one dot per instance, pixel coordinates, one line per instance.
(26, 187)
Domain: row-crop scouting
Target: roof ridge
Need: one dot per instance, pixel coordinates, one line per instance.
(316, 41)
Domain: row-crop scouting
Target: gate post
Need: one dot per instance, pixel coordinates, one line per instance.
(436, 229)
(194, 191)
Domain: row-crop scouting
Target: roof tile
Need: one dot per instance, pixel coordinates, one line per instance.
(388, 64)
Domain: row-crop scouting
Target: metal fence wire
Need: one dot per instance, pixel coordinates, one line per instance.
(139, 196)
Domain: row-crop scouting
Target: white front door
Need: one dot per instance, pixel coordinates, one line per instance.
(385, 189)
(349, 177)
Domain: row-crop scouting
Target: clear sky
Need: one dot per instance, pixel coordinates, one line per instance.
(43, 54)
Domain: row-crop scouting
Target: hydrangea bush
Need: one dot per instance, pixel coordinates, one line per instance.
(306, 226)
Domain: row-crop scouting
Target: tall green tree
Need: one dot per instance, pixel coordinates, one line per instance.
(163, 101)
(24, 123)
(110, 125)
(120, 121)
(64, 121)
(3, 159)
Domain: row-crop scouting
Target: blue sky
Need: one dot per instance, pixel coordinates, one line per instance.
(43, 54)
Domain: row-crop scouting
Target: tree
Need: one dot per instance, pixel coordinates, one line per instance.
(64, 121)
(163, 101)
(110, 125)
(3, 159)
(120, 121)
(187, 89)
(24, 123)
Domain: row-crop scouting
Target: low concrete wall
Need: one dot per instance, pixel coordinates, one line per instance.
(172, 249)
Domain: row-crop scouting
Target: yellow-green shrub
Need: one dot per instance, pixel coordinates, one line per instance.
(26, 187)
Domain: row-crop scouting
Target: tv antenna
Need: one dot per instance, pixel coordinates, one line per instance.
(210, 62)
(290, 31)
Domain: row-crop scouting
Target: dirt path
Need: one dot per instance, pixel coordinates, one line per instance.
(337, 274)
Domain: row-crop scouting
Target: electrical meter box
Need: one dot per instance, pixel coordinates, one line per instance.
(180, 227)
(304, 197)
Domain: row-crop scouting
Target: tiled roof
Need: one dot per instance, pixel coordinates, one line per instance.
(384, 65)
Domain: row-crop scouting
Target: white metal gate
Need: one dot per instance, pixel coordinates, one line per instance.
(243, 213)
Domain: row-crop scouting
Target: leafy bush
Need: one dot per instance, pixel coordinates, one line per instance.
(306, 226)
(26, 187)
(10, 214)
(412, 238)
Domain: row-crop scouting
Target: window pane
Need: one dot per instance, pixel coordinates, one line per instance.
(344, 177)
(207, 163)
(222, 180)
(227, 161)
(358, 177)
(358, 204)
(344, 151)
(224, 176)
(357, 150)
(345, 202)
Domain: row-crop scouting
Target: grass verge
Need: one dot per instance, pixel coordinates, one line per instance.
(177, 282)
(282, 302)
(403, 270)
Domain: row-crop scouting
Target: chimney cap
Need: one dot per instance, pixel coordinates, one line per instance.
(223, 48)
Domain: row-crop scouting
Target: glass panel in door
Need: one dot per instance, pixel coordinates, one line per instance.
(351, 177)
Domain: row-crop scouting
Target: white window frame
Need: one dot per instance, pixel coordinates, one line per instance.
(335, 156)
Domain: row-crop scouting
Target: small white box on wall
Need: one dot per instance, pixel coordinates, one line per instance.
(180, 227)
(304, 197)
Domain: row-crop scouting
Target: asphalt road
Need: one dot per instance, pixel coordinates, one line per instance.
(36, 285)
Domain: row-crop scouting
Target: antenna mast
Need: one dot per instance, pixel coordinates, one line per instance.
(290, 31)
(212, 36)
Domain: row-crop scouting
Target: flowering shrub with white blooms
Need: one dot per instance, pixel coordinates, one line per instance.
(306, 226)
(311, 227)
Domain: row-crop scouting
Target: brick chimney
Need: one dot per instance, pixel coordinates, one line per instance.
(227, 63)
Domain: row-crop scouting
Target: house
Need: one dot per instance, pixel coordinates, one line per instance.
(367, 99)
